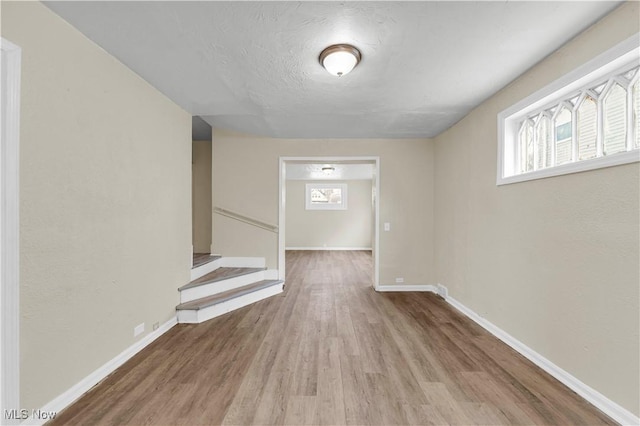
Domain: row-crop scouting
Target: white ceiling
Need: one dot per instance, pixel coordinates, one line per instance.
(253, 66)
(342, 171)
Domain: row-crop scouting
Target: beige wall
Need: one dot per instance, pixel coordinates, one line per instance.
(554, 262)
(329, 228)
(245, 170)
(104, 203)
(201, 196)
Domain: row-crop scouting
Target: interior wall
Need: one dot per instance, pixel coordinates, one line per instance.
(320, 229)
(201, 196)
(554, 262)
(105, 203)
(245, 170)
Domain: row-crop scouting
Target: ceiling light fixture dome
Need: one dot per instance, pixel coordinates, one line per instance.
(340, 59)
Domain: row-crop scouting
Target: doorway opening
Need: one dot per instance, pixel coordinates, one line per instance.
(201, 192)
(346, 189)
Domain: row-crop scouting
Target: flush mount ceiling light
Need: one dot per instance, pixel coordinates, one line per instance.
(340, 59)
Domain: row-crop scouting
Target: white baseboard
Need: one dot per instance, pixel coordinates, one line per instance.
(83, 386)
(417, 287)
(329, 248)
(604, 404)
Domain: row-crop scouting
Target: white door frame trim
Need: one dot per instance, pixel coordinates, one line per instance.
(282, 204)
(9, 230)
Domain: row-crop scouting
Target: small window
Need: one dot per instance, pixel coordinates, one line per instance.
(543, 142)
(615, 120)
(588, 119)
(587, 127)
(636, 110)
(326, 196)
(563, 135)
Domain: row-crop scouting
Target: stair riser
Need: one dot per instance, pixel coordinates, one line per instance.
(227, 262)
(271, 274)
(203, 270)
(244, 262)
(216, 287)
(194, 317)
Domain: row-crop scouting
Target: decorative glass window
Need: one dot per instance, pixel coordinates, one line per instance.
(563, 135)
(544, 148)
(615, 115)
(326, 196)
(587, 127)
(588, 119)
(636, 109)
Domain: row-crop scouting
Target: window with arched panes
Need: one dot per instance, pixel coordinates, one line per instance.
(600, 119)
(615, 118)
(587, 119)
(526, 146)
(635, 102)
(543, 146)
(563, 134)
(587, 127)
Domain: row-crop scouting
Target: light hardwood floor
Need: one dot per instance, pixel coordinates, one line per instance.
(330, 350)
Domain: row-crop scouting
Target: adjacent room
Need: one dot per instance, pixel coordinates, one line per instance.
(304, 213)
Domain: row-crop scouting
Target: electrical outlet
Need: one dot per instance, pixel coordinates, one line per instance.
(156, 325)
(399, 280)
(138, 330)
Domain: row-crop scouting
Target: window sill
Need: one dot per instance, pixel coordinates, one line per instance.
(580, 166)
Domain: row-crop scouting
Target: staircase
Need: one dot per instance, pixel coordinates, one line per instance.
(223, 284)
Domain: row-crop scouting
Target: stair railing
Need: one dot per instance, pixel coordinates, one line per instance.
(245, 219)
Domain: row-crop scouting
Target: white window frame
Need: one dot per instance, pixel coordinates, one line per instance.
(310, 206)
(601, 67)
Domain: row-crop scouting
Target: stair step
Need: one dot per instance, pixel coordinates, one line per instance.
(202, 259)
(219, 275)
(215, 299)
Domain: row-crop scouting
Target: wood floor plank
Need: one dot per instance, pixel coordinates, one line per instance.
(330, 350)
(331, 409)
(301, 410)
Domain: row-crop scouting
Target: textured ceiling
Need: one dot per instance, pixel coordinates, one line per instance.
(253, 66)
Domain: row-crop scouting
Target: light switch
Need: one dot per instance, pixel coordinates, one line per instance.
(387, 226)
